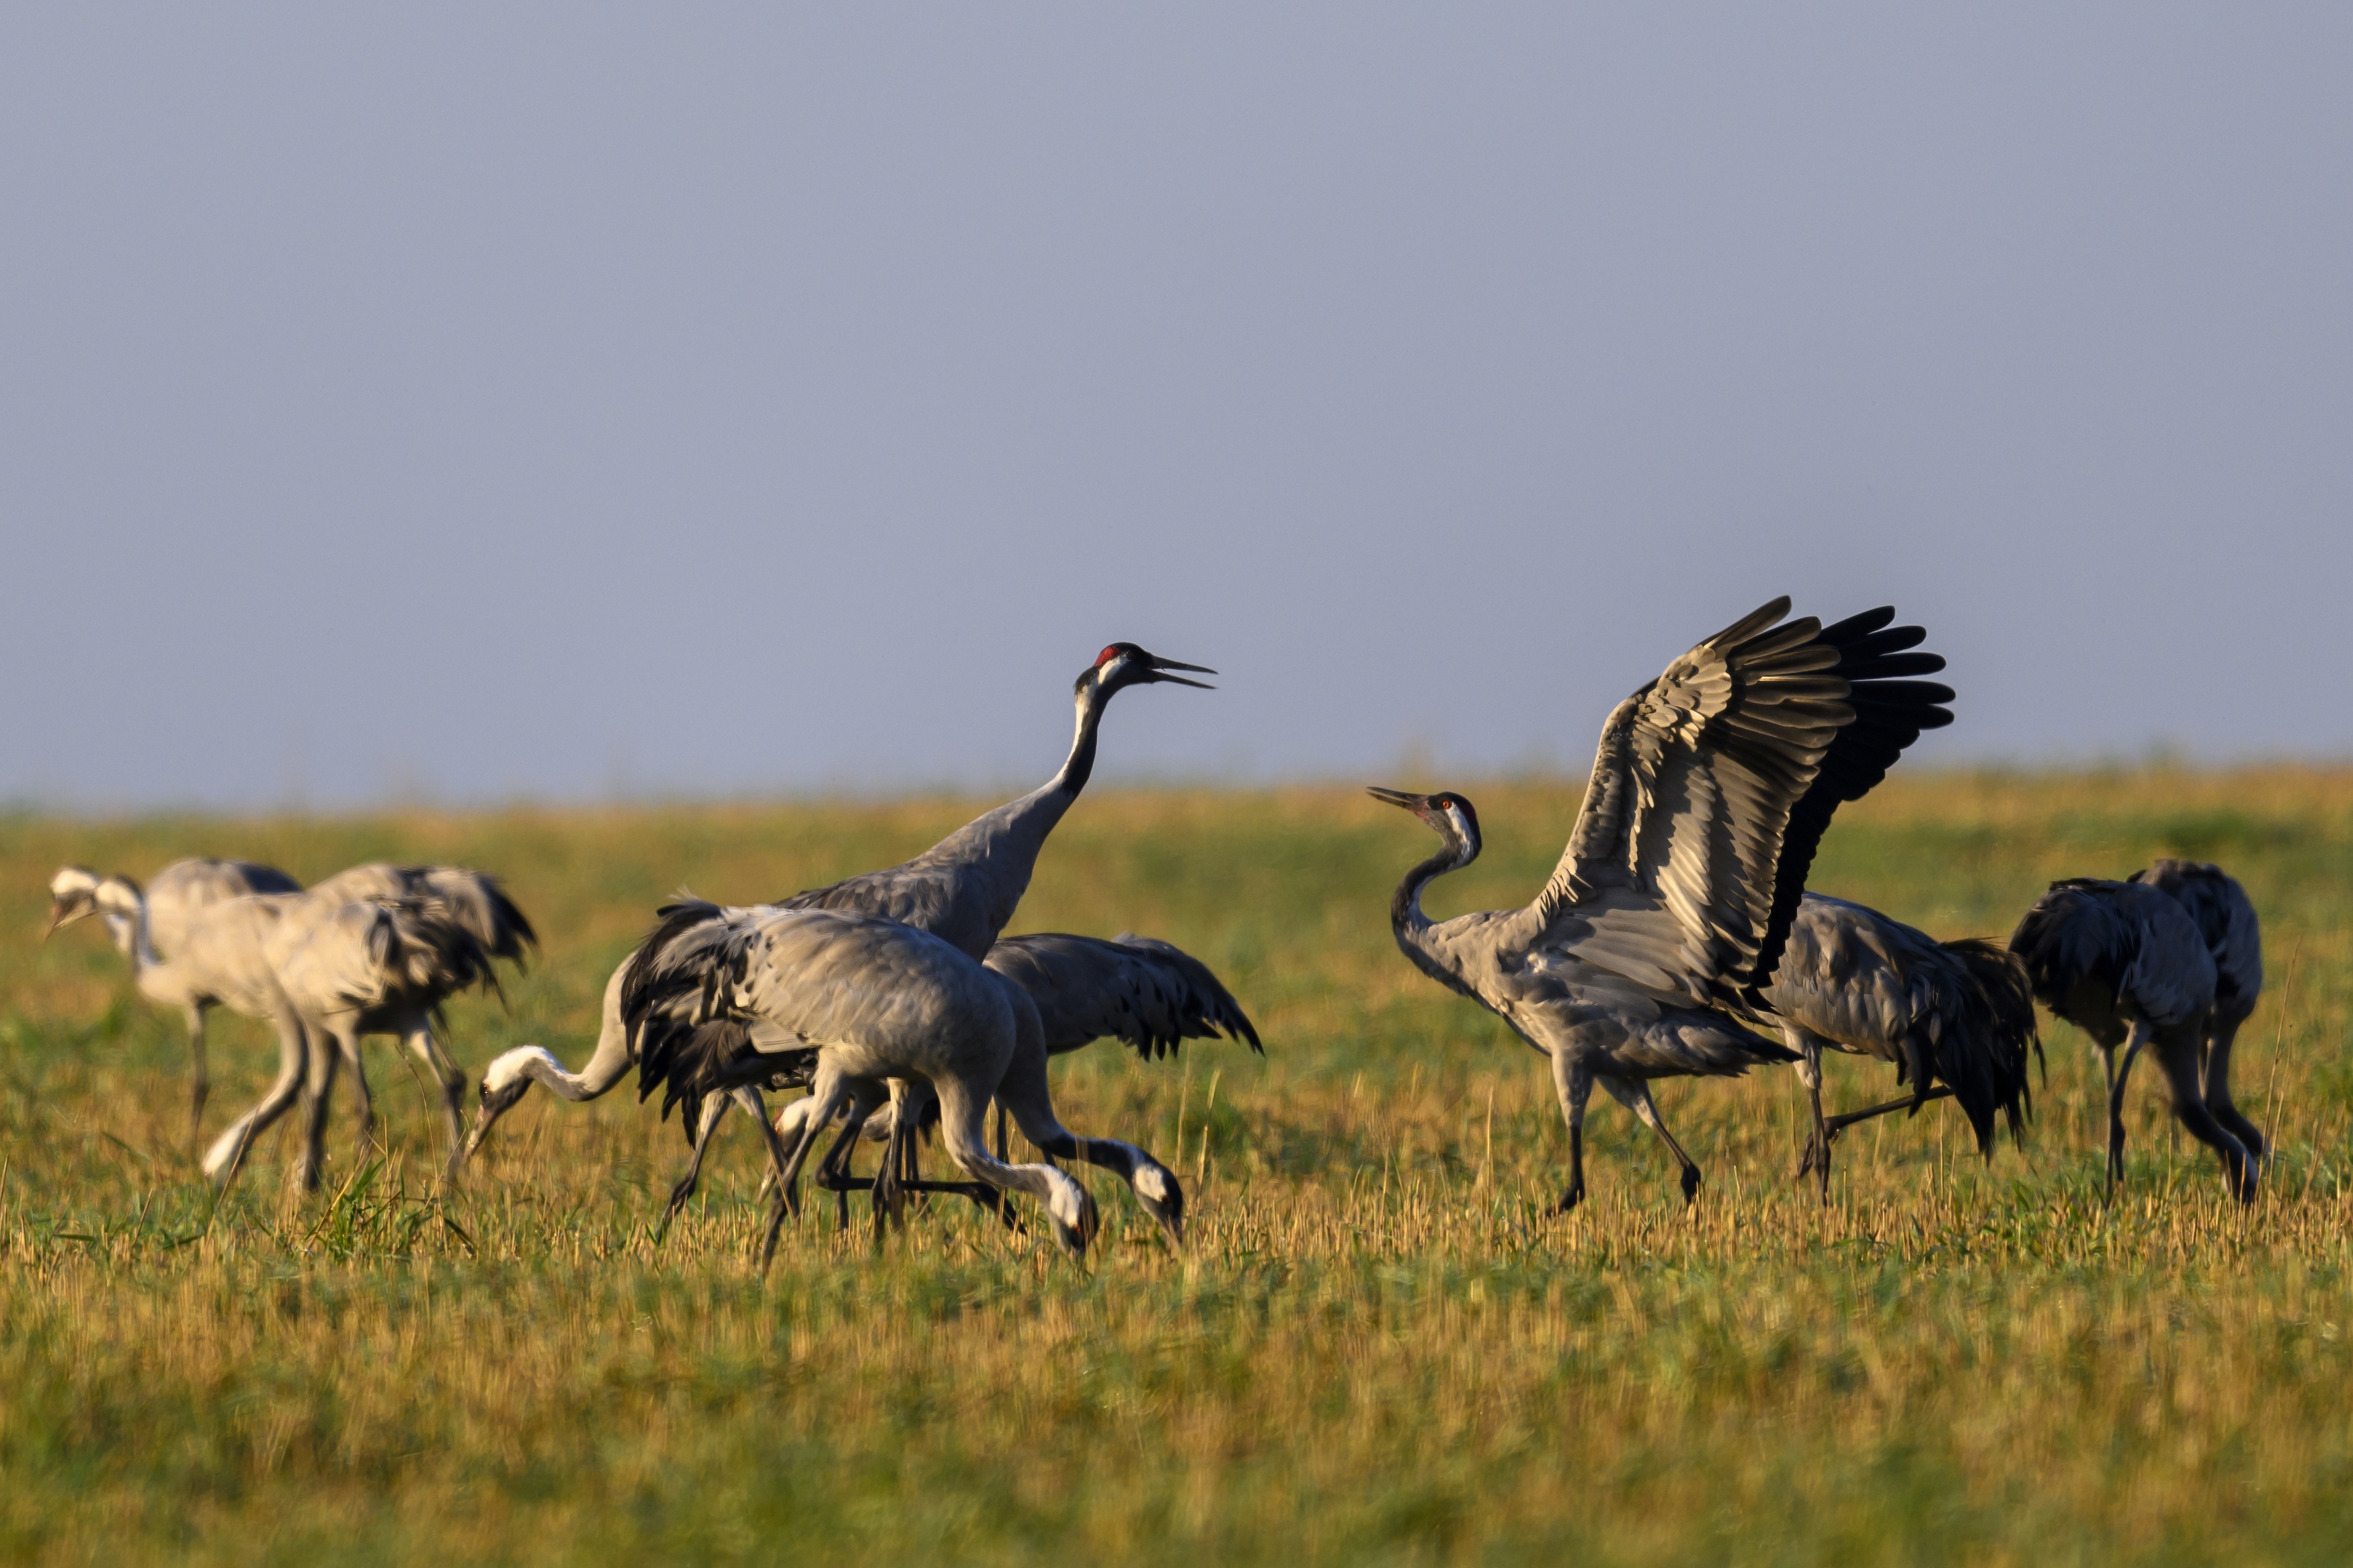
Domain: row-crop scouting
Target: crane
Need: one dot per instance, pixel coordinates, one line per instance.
(1150, 995)
(2226, 919)
(320, 972)
(2124, 962)
(1851, 979)
(183, 889)
(852, 1002)
(174, 895)
(962, 890)
(1711, 788)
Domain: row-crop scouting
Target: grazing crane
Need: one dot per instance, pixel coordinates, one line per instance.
(2234, 938)
(1151, 995)
(855, 1002)
(962, 890)
(1712, 786)
(473, 899)
(2127, 964)
(1851, 979)
(174, 896)
(220, 958)
(315, 969)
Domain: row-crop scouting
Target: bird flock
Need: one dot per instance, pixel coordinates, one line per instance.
(1675, 938)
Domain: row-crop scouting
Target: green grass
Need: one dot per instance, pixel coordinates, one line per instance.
(1376, 1347)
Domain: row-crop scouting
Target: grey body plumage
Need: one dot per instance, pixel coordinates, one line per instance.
(174, 896)
(853, 1004)
(2225, 918)
(1854, 980)
(2127, 963)
(1711, 788)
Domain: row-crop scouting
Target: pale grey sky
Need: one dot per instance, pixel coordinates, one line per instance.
(561, 401)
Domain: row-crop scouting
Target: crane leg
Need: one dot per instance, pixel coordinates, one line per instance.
(1840, 1124)
(2116, 1104)
(227, 1152)
(422, 1045)
(1635, 1096)
(362, 1097)
(319, 1082)
(2217, 1085)
(2179, 1058)
(1810, 1073)
(1574, 1083)
(830, 1093)
(1002, 1157)
(199, 1084)
(714, 1112)
(833, 1171)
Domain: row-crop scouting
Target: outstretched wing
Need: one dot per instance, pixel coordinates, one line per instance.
(1713, 786)
(1146, 993)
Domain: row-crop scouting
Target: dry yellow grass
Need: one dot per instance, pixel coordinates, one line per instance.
(1376, 1347)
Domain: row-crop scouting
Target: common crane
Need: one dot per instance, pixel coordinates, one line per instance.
(1712, 786)
(963, 889)
(724, 998)
(182, 890)
(2125, 964)
(1959, 1014)
(2226, 919)
(174, 896)
(320, 972)
(1149, 994)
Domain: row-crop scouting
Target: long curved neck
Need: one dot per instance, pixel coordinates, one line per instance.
(1122, 1159)
(539, 1064)
(994, 853)
(1414, 930)
(1405, 909)
(1080, 765)
(132, 940)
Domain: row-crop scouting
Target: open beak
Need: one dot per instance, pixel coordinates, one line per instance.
(1157, 668)
(1412, 803)
(62, 913)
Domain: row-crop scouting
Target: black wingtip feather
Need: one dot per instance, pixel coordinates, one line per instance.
(1890, 713)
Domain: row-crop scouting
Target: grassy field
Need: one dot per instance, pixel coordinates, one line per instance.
(1376, 1347)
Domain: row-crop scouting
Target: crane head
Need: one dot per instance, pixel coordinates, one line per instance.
(1157, 1189)
(1124, 664)
(73, 896)
(1449, 813)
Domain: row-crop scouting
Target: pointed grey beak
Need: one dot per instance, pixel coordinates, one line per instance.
(1158, 669)
(1395, 797)
(64, 914)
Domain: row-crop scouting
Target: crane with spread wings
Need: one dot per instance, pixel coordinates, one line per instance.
(1670, 907)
